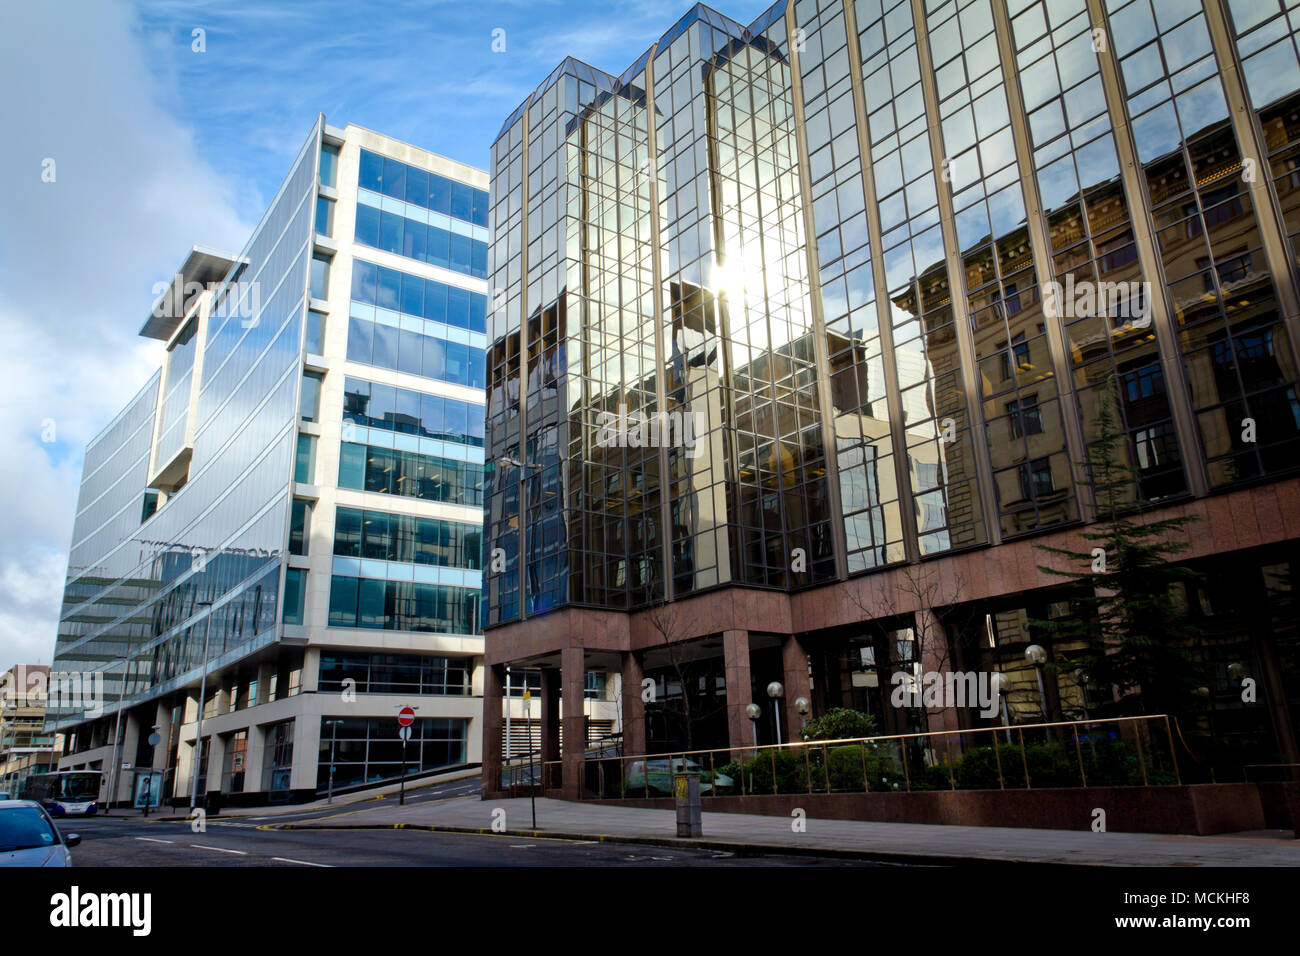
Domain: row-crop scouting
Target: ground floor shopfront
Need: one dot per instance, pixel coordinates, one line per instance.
(273, 729)
(703, 663)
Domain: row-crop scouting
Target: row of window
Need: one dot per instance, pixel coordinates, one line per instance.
(380, 536)
(397, 180)
(410, 474)
(521, 680)
(358, 750)
(401, 350)
(403, 606)
(424, 298)
(395, 233)
(410, 412)
(395, 674)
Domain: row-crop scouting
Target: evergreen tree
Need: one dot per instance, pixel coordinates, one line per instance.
(1129, 611)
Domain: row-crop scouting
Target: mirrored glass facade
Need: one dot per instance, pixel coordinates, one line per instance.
(894, 260)
(143, 597)
(301, 479)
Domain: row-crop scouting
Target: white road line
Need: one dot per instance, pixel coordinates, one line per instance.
(285, 859)
(152, 840)
(219, 849)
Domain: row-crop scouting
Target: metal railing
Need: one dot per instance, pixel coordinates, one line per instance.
(1121, 751)
(521, 770)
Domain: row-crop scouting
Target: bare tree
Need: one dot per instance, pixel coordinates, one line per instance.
(687, 671)
(937, 605)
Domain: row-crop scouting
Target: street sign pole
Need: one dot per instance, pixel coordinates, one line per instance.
(405, 718)
(532, 777)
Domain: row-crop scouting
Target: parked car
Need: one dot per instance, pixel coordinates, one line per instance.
(656, 775)
(28, 836)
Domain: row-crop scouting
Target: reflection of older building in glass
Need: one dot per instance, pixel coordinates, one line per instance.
(288, 516)
(899, 259)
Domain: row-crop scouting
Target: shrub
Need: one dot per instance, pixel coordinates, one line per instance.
(840, 724)
(791, 773)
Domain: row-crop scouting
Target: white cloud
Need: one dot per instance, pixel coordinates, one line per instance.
(78, 260)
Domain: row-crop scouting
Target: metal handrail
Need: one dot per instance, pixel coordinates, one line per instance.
(930, 733)
(825, 746)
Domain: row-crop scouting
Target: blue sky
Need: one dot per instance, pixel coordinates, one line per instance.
(424, 72)
(155, 147)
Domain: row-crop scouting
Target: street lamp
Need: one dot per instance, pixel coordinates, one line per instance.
(116, 768)
(753, 712)
(802, 706)
(334, 736)
(203, 693)
(1001, 684)
(1035, 655)
(775, 690)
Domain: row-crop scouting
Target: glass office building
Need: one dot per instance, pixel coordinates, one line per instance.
(897, 261)
(288, 515)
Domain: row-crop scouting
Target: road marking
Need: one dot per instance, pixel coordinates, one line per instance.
(285, 859)
(522, 846)
(219, 849)
(152, 840)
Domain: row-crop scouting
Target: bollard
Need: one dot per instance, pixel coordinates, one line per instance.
(686, 787)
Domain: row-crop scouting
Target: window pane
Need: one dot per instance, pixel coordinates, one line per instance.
(320, 277)
(329, 164)
(360, 340)
(372, 171)
(417, 186)
(365, 281)
(367, 231)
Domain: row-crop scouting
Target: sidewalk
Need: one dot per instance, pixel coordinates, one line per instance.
(897, 842)
(340, 800)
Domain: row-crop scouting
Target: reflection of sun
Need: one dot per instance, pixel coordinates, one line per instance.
(730, 278)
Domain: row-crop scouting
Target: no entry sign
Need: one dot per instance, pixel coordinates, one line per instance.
(405, 717)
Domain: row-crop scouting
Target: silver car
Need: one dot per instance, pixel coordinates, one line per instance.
(28, 837)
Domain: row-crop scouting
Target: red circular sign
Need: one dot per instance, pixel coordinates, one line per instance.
(406, 717)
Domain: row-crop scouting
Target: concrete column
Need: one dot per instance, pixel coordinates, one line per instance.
(494, 679)
(550, 710)
(216, 762)
(254, 758)
(574, 674)
(265, 674)
(794, 665)
(932, 639)
(310, 670)
(163, 718)
(633, 705)
(735, 653)
(126, 754)
(306, 752)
